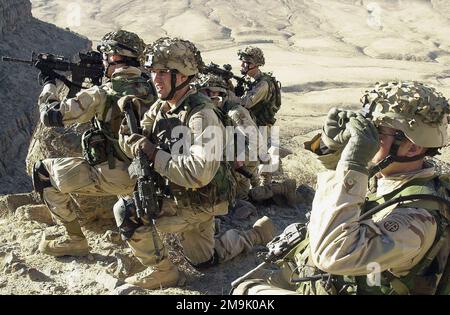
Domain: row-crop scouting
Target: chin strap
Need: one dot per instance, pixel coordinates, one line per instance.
(392, 157)
(173, 82)
(248, 70)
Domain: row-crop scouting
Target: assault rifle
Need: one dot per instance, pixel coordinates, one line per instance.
(279, 247)
(226, 74)
(89, 67)
(145, 195)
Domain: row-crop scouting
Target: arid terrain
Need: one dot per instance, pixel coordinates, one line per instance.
(325, 53)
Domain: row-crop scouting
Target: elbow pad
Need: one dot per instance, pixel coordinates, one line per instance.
(51, 116)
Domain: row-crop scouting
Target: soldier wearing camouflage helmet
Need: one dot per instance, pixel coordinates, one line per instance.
(217, 89)
(262, 96)
(103, 168)
(399, 226)
(198, 185)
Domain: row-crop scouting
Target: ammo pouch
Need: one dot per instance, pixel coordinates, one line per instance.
(221, 188)
(96, 147)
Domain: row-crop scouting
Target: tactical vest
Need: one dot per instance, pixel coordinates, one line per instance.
(222, 186)
(429, 276)
(264, 111)
(100, 143)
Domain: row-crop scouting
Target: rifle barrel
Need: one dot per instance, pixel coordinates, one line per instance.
(10, 59)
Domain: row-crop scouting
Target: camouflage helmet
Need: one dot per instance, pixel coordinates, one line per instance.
(253, 55)
(122, 43)
(412, 107)
(174, 54)
(213, 83)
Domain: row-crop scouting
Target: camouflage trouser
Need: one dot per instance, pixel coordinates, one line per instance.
(75, 175)
(267, 283)
(197, 235)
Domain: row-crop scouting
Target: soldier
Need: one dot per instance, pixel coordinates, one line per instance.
(393, 238)
(103, 170)
(218, 90)
(199, 186)
(262, 97)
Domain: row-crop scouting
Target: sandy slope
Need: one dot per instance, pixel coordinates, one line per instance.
(325, 52)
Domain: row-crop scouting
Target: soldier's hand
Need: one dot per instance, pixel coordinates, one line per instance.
(239, 90)
(141, 143)
(124, 129)
(362, 146)
(129, 100)
(46, 77)
(335, 135)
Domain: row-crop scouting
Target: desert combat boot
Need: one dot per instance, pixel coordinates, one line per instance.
(163, 275)
(263, 232)
(73, 244)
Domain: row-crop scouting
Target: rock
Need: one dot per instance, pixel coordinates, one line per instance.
(9, 260)
(38, 213)
(3, 283)
(107, 281)
(9, 203)
(283, 152)
(127, 289)
(112, 237)
(58, 289)
(19, 88)
(37, 276)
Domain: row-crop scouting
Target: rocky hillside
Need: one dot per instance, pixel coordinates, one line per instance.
(20, 34)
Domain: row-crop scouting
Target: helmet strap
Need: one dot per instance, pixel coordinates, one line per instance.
(173, 82)
(392, 156)
(248, 70)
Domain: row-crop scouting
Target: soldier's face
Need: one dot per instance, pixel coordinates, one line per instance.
(162, 78)
(215, 97)
(406, 149)
(386, 135)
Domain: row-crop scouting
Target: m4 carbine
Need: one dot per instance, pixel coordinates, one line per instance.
(278, 248)
(145, 194)
(226, 74)
(89, 67)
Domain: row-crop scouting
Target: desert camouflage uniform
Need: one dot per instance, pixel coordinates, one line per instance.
(257, 97)
(55, 179)
(398, 243)
(75, 175)
(195, 179)
(245, 128)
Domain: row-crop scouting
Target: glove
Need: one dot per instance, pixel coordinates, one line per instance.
(335, 135)
(362, 146)
(46, 76)
(239, 90)
(124, 101)
(141, 143)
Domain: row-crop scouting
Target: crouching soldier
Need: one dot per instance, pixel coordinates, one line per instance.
(103, 169)
(198, 185)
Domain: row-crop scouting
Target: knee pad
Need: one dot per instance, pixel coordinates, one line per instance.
(125, 216)
(51, 116)
(40, 178)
